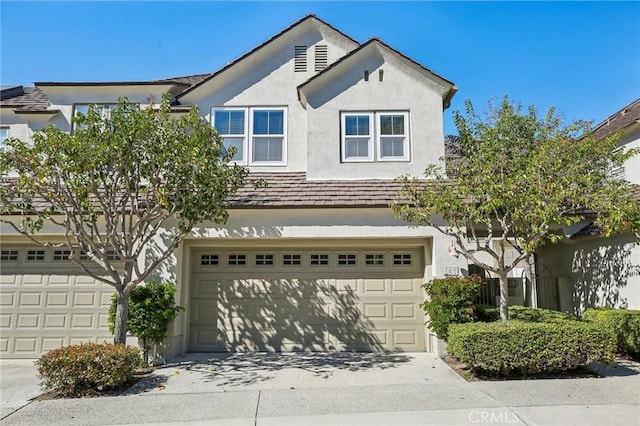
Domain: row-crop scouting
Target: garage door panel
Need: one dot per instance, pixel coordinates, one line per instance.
(297, 307)
(46, 304)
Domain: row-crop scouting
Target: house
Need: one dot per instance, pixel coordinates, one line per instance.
(314, 261)
(587, 269)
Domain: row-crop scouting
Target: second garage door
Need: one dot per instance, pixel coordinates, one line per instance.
(358, 299)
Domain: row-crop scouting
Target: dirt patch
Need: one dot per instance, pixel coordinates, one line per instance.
(474, 376)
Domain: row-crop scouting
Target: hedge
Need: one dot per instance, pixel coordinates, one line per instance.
(623, 324)
(487, 313)
(524, 348)
(88, 369)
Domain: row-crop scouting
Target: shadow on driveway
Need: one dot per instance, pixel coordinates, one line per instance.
(207, 372)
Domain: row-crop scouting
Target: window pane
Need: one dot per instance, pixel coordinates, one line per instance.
(268, 122)
(356, 125)
(82, 109)
(392, 124)
(267, 149)
(4, 133)
(392, 147)
(357, 147)
(238, 144)
(221, 121)
(229, 122)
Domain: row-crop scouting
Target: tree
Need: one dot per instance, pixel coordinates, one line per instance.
(518, 180)
(116, 185)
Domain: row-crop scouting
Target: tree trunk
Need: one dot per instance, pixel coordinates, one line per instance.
(122, 312)
(530, 283)
(504, 296)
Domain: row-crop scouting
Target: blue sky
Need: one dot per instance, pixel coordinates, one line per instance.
(581, 57)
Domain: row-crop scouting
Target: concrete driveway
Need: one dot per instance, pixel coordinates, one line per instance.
(294, 370)
(19, 384)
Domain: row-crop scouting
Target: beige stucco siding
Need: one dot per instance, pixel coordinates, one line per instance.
(590, 272)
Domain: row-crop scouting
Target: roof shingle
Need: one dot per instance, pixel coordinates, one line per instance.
(292, 189)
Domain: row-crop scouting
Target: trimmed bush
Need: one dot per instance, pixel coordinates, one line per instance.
(450, 300)
(87, 369)
(487, 313)
(624, 324)
(151, 310)
(525, 348)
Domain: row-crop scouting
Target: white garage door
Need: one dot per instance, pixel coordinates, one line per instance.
(46, 302)
(304, 299)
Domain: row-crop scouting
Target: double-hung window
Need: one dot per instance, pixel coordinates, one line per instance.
(232, 127)
(103, 109)
(383, 136)
(357, 137)
(4, 134)
(258, 133)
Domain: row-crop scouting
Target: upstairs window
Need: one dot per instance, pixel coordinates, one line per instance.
(386, 133)
(393, 138)
(4, 134)
(104, 110)
(268, 135)
(357, 137)
(231, 125)
(258, 134)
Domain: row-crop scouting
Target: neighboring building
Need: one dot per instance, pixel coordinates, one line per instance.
(314, 261)
(587, 269)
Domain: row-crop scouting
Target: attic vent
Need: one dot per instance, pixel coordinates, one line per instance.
(300, 59)
(321, 57)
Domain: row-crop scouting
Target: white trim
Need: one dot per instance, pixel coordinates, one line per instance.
(248, 137)
(245, 136)
(379, 136)
(3, 147)
(283, 162)
(344, 136)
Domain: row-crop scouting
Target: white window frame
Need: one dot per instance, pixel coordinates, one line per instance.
(3, 147)
(380, 136)
(375, 138)
(245, 136)
(249, 146)
(344, 136)
(106, 110)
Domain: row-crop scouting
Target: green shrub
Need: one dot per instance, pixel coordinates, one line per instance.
(87, 369)
(151, 310)
(486, 313)
(624, 324)
(529, 348)
(450, 300)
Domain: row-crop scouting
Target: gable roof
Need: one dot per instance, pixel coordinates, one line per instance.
(376, 41)
(627, 116)
(261, 46)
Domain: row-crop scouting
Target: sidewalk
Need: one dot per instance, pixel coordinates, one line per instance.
(415, 391)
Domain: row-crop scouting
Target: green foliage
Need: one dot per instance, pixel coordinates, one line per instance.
(87, 369)
(624, 324)
(524, 348)
(151, 310)
(117, 182)
(520, 177)
(450, 300)
(486, 313)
